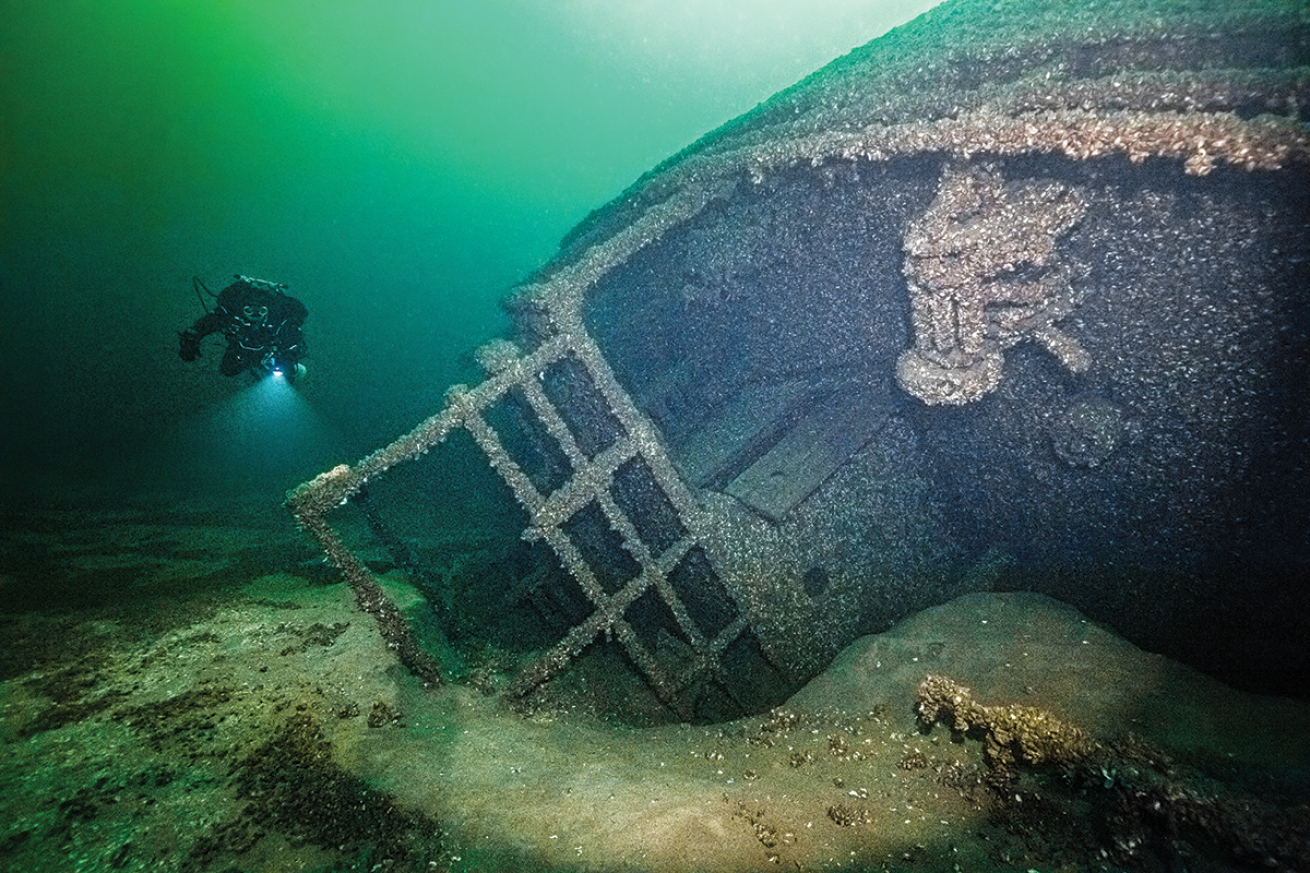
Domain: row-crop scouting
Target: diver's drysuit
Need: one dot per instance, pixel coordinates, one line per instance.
(262, 324)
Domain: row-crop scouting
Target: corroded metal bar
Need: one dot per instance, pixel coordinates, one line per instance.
(371, 599)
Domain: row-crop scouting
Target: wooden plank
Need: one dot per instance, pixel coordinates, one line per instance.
(817, 444)
(746, 427)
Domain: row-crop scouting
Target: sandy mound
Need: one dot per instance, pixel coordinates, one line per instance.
(842, 775)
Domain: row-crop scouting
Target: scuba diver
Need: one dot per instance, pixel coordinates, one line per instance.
(262, 325)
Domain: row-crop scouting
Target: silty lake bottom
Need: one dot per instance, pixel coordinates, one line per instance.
(1021, 287)
(187, 686)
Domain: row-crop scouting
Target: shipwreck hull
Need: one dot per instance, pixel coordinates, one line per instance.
(1017, 296)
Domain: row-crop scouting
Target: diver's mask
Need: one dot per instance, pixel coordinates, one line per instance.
(254, 314)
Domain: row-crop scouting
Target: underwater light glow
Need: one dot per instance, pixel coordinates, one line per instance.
(266, 433)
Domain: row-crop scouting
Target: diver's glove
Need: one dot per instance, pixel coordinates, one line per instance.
(188, 345)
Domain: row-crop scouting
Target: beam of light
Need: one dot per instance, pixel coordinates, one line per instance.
(265, 435)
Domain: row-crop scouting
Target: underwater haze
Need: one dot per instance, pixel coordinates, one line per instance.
(400, 165)
(886, 447)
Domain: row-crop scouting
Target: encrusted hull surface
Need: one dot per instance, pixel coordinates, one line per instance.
(1013, 297)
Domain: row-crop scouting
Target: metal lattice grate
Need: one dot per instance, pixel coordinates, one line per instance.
(601, 492)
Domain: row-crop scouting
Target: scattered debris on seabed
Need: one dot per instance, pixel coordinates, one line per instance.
(188, 714)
